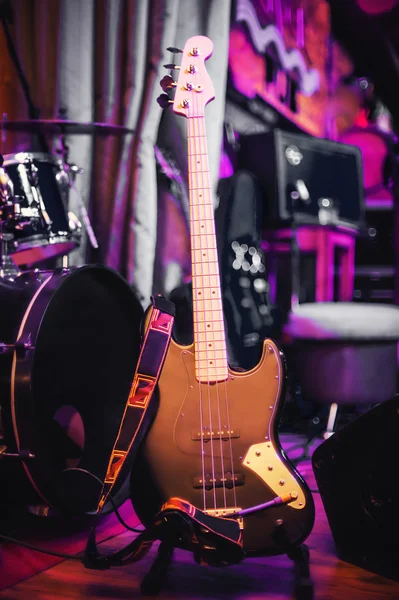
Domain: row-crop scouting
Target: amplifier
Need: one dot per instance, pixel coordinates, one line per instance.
(314, 181)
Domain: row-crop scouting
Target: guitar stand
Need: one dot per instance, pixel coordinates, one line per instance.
(300, 555)
(303, 582)
(153, 581)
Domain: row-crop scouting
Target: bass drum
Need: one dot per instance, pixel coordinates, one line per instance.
(70, 342)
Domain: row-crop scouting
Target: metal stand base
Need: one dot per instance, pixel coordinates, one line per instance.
(154, 580)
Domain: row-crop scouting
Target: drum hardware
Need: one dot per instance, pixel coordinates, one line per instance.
(8, 269)
(20, 347)
(6, 349)
(83, 212)
(23, 455)
(71, 170)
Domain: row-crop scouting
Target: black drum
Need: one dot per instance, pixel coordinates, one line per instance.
(70, 342)
(44, 228)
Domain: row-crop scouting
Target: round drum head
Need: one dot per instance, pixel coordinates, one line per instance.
(85, 355)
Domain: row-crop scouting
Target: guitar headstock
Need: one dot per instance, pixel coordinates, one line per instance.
(194, 88)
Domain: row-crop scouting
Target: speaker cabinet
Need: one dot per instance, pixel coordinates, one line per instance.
(317, 180)
(356, 470)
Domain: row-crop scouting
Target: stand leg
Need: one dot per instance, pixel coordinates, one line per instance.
(152, 582)
(300, 556)
(303, 582)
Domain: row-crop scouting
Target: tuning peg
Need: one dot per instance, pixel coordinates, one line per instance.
(164, 101)
(174, 50)
(167, 83)
(171, 66)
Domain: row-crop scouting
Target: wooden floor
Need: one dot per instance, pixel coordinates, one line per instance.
(271, 579)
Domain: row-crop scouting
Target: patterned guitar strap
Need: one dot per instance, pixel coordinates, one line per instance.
(158, 331)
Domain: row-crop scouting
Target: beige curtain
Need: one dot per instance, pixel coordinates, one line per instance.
(101, 60)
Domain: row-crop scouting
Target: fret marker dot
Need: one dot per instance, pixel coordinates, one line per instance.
(210, 345)
(210, 362)
(213, 292)
(208, 325)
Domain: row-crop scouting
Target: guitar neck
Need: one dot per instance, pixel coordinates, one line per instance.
(209, 335)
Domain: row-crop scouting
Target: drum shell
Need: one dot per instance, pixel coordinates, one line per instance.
(49, 234)
(79, 334)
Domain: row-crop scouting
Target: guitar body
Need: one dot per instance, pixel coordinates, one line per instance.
(169, 462)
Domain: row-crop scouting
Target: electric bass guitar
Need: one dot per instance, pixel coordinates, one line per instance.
(214, 439)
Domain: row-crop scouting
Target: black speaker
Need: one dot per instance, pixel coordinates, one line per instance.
(356, 470)
(315, 180)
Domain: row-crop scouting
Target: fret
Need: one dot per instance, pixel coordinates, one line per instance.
(201, 197)
(212, 304)
(203, 327)
(202, 228)
(208, 281)
(210, 375)
(210, 338)
(198, 163)
(198, 181)
(213, 346)
(201, 211)
(205, 254)
(213, 362)
(206, 246)
(204, 315)
(197, 145)
(202, 255)
(205, 368)
(199, 188)
(206, 294)
(205, 268)
(203, 240)
(203, 260)
(206, 288)
(207, 354)
(206, 219)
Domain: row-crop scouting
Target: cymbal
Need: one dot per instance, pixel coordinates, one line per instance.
(55, 126)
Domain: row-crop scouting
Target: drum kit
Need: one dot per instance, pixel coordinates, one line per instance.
(69, 337)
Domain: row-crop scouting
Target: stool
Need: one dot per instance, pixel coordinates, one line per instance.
(345, 352)
(323, 241)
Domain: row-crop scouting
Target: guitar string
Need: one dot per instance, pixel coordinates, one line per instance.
(215, 351)
(195, 299)
(229, 437)
(201, 372)
(209, 216)
(227, 409)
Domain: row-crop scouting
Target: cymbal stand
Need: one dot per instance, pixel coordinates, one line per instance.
(68, 168)
(8, 269)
